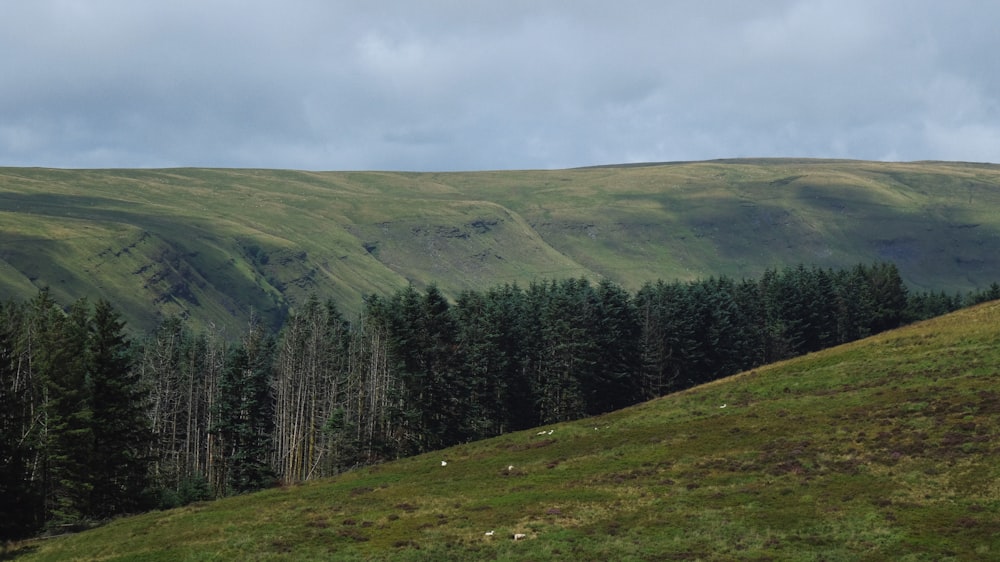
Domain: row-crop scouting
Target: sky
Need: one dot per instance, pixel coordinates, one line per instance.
(447, 85)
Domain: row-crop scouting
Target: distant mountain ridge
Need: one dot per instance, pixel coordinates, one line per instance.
(219, 245)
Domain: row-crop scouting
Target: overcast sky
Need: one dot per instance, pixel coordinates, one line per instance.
(498, 84)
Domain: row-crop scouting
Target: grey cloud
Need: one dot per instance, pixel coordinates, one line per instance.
(444, 85)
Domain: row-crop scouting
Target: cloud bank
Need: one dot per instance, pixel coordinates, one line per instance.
(475, 85)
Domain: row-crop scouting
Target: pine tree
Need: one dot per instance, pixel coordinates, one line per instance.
(889, 295)
(20, 502)
(119, 422)
(569, 351)
(434, 398)
(854, 304)
(671, 350)
(244, 413)
(480, 362)
(60, 356)
(615, 381)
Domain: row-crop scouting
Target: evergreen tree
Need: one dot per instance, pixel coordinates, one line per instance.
(889, 295)
(408, 353)
(491, 347)
(924, 305)
(818, 288)
(714, 318)
(670, 348)
(853, 304)
(753, 322)
(119, 420)
(20, 503)
(481, 362)
(508, 313)
(795, 307)
(991, 294)
(447, 393)
(569, 350)
(779, 338)
(615, 382)
(61, 359)
(424, 345)
(244, 413)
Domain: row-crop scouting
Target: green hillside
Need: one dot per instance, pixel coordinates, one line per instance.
(220, 245)
(881, 449)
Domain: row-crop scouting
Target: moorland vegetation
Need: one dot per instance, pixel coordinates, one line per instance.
(881, 449)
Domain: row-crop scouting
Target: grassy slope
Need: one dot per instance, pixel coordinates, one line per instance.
(880, 449)
(216, 244)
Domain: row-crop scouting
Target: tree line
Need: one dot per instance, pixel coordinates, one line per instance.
(97, 424)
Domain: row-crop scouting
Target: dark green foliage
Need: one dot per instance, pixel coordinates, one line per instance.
(76, 437)
(193, 489)
(67, 441)
(990, 294)
(120, 424)
(568, 353)
(699, 331)
(615, 331)
(930, 304)
(479, 354)
(668, 339)
(92, 424)
(20, 502)
(423, 343)
(888, 293)
(244, 413)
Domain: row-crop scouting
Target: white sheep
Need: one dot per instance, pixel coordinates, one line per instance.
(489, 533)
(444, 463)
(519, 536)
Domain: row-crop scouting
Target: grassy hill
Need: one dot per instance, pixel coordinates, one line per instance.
(218, 245)
(881, 449)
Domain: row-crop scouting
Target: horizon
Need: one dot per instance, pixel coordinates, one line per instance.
(816, 159)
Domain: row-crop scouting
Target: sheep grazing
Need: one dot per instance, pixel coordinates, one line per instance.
(444, 463)
(722, 406)
(519, 536)
(489, 533)
(542, 432)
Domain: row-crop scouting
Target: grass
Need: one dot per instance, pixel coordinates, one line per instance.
(215, 245)
(880, 449)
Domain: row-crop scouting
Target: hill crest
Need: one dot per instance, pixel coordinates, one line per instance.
(217, 245)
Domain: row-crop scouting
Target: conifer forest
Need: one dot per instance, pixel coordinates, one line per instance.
(96, 423)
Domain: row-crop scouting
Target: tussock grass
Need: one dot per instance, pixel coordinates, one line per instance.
(881, 449)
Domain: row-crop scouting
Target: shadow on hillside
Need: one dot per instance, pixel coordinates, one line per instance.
(16, 552)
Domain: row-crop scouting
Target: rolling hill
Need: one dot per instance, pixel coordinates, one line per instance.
(217, 245)
(885, 448)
